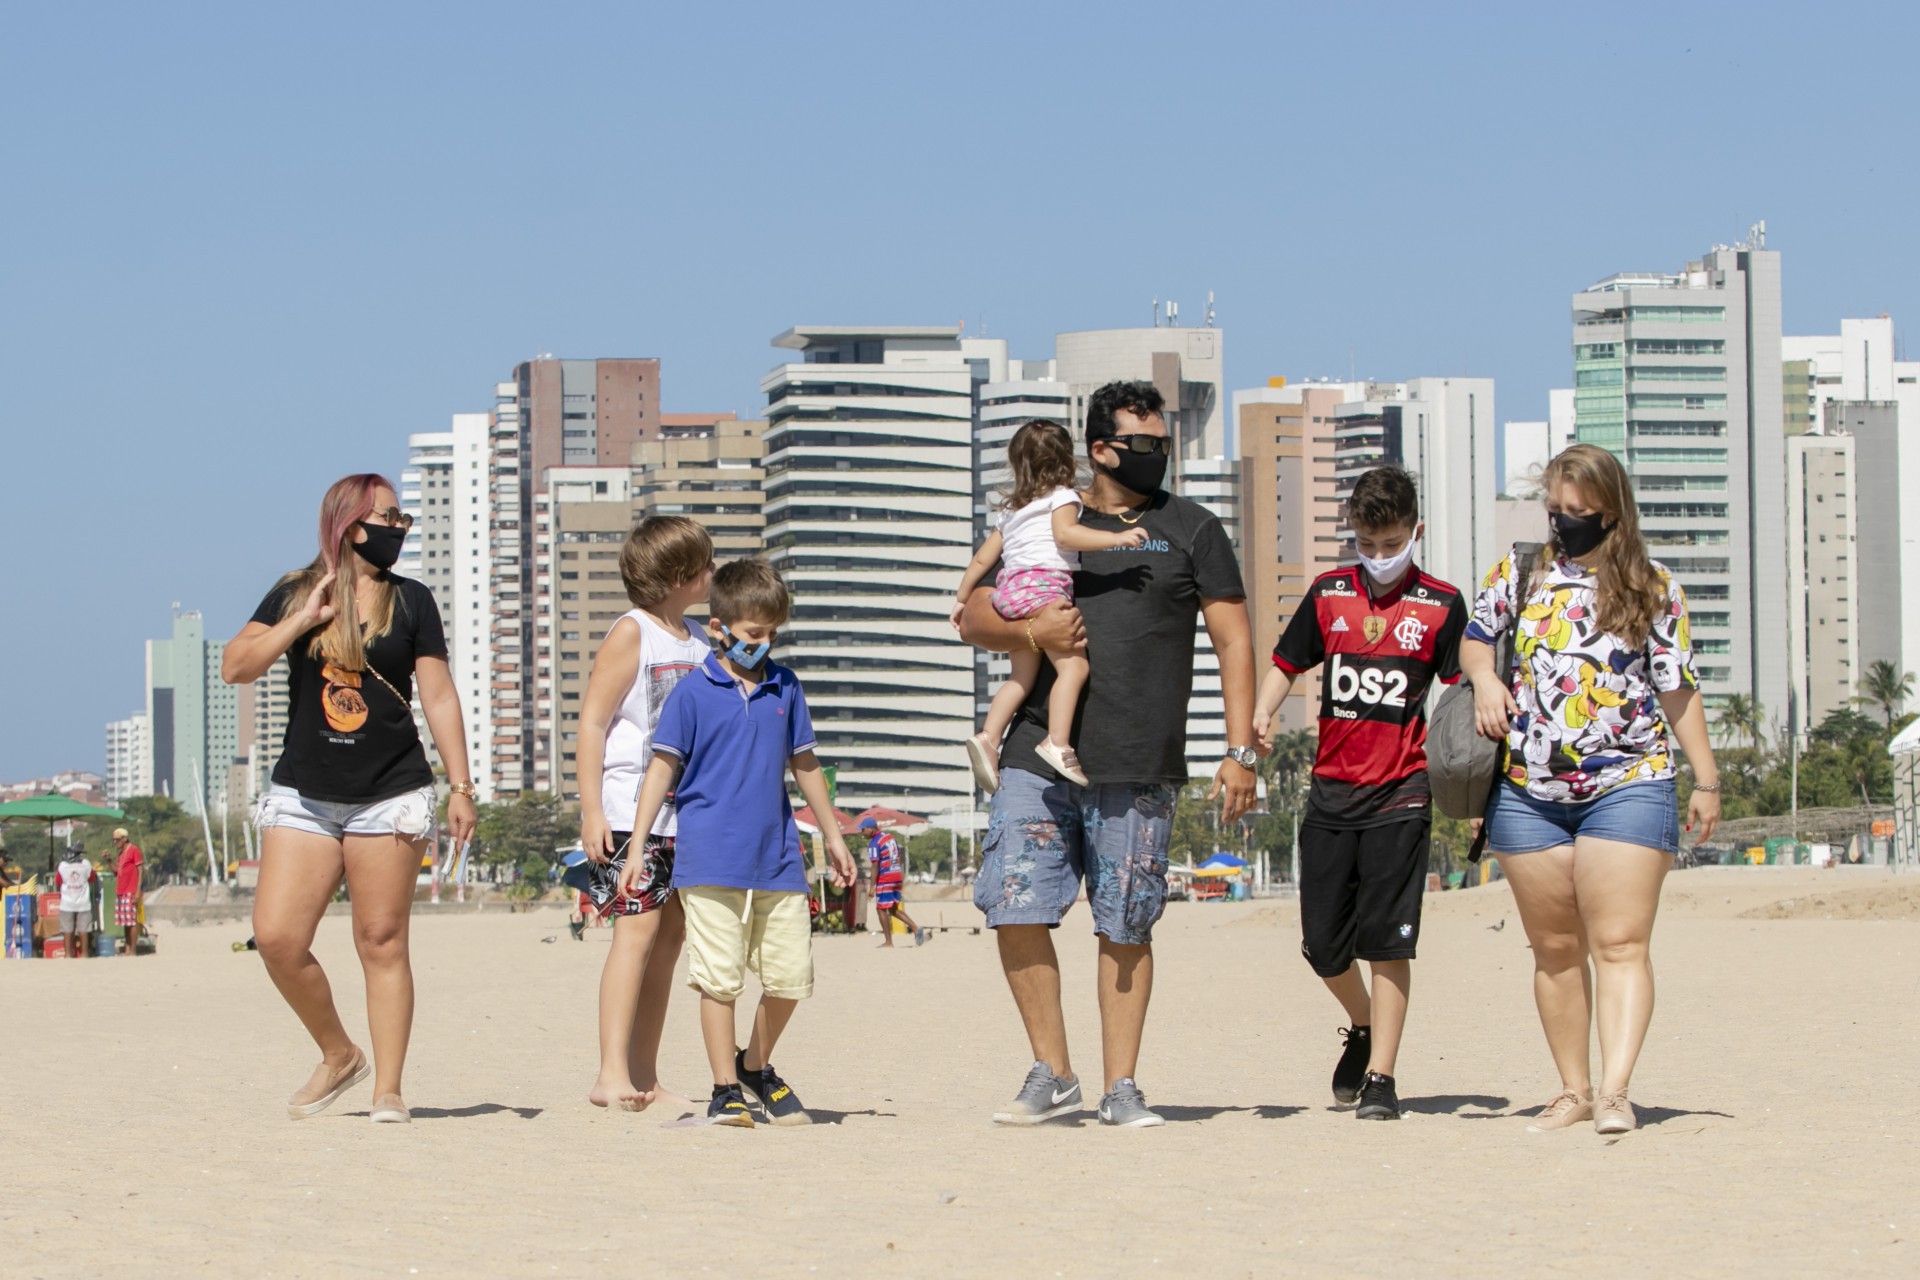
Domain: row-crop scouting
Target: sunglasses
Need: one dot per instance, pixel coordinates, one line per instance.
(1139, 442)
(392, 516)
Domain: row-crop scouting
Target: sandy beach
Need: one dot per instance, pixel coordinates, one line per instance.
(1778, 1091)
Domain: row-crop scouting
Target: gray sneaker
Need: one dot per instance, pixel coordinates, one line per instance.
(1044, 1096)
(1126, 1107)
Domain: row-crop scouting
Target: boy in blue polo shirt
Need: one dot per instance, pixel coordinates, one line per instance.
(732, 730)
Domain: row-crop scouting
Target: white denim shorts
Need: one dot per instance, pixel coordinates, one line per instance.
(412, 815)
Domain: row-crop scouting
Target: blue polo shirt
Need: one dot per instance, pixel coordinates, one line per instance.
(736, 827)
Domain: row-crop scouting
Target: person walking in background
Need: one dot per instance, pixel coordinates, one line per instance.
(1385, 630)
(1585, 823)
(127, 870)
(1037, 545)
(889, 882)
(352, 795)
(667, 565)
(1044, 832)
(733, 731)
(76, 878)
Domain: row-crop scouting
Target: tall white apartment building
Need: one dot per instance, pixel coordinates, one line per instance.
(1823, 575)
(446, 488)
(870, 518)
(129, 758)
(510, 620)
(1851, 384)
(1445, 432)
(1527, 447)
(1680, 375)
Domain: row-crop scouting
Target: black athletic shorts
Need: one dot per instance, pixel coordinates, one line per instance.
(1360, 892)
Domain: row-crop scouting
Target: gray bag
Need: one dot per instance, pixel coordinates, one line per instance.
(1462, 766)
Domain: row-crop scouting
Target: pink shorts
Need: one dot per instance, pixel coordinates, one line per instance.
(1025, 592)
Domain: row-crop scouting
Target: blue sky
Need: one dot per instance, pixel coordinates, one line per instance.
(249, 248)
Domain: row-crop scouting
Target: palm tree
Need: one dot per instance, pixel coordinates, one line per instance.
(1741, 718)
(1885, 687)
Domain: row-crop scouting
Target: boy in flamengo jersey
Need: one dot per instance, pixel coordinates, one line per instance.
(1385, 630)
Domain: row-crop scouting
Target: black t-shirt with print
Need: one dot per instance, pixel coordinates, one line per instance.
(1139, 608)
(351, 739)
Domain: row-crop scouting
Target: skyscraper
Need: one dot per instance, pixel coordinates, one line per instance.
(580, 524)
(554, 413)
(1823, 573)
(1680, 376)
(869, 510)
(129, 758)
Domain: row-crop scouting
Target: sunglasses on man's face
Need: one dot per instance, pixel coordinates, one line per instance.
(1139, 442)
(392, 516)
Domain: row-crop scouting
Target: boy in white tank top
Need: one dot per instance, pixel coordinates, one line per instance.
(667, 565)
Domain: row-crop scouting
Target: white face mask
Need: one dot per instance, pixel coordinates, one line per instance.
(1389, 570)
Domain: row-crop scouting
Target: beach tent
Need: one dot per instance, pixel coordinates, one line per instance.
(54, 807)
(1229, 861)
(1905, 750)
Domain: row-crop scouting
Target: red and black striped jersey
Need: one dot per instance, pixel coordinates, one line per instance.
(1382, 655)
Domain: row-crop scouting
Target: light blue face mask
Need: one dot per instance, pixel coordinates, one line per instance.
(745, 656)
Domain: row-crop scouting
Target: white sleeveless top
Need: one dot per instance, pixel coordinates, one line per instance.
(663, 662)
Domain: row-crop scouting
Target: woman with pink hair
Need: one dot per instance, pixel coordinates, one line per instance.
(352, 795)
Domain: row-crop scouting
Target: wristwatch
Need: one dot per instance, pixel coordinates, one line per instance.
(463, 789)
(1245, 757)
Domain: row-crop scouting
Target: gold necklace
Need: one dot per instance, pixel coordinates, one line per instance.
(1139, 513)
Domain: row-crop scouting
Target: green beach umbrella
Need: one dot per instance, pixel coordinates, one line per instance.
(51, 808)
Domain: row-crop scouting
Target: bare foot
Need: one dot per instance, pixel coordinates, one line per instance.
(606, 1093)
(641, 1099)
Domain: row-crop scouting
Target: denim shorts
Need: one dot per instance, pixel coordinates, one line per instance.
(1642, 813)
(411, 815)
(1043, 837)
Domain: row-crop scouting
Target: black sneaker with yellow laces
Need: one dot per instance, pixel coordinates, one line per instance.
(729, 1107)
(776, 1095)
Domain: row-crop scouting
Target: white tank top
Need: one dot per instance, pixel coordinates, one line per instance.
(664, 660)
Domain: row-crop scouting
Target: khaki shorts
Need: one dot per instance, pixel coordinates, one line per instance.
(730, 931)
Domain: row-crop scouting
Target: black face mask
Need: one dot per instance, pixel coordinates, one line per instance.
(1140, 473)
(382, 547)
(1578, 535)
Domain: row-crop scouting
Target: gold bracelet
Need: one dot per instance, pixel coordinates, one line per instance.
(463, 789)
(1031, 643)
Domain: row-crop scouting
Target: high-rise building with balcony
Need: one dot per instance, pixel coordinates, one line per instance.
(1680, 376)
(129, 758)
(869, 516)
(1823, 571)
(553, 414)
(706, 467)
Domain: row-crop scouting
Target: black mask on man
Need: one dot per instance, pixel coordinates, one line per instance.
(1578, 535)
(382, 547)
(1140, 473)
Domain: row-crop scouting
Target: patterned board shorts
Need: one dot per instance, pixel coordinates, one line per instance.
(650, 892)
(1025, 592)
(126, 909)
(886, 890)
(1043, 837)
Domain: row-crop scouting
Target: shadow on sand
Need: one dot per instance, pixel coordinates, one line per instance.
(1487, 1106)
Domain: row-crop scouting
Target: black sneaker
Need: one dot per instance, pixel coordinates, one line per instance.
(775, 1094)
(1378, 1101)
(729, 1107)
(1351, 1071)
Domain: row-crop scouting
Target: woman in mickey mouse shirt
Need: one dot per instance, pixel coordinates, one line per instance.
(352, 792)
(1586, 823)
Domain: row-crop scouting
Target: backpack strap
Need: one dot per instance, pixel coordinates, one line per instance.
(1524, 557)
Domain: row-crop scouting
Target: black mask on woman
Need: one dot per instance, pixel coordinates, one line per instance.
(1578, 535)
(382, 547)
(1140, 473)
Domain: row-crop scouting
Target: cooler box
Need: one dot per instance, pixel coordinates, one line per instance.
(49, 906)
(54, 948)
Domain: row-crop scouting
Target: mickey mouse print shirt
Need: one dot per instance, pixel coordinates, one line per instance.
(1590, 716)
(350, 738)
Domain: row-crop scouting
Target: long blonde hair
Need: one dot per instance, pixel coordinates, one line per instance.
(343, 641)
(1629, 592)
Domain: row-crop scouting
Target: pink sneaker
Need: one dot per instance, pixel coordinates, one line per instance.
(1064, 761)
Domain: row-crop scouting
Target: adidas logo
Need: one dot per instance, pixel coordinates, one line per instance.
(1339, 624)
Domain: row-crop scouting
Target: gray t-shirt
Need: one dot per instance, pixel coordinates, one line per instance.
(1139, 607)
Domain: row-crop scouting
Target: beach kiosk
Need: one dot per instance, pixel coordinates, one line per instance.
(1905, 749)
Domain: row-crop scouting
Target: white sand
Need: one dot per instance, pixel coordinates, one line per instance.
(1778, 1089)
